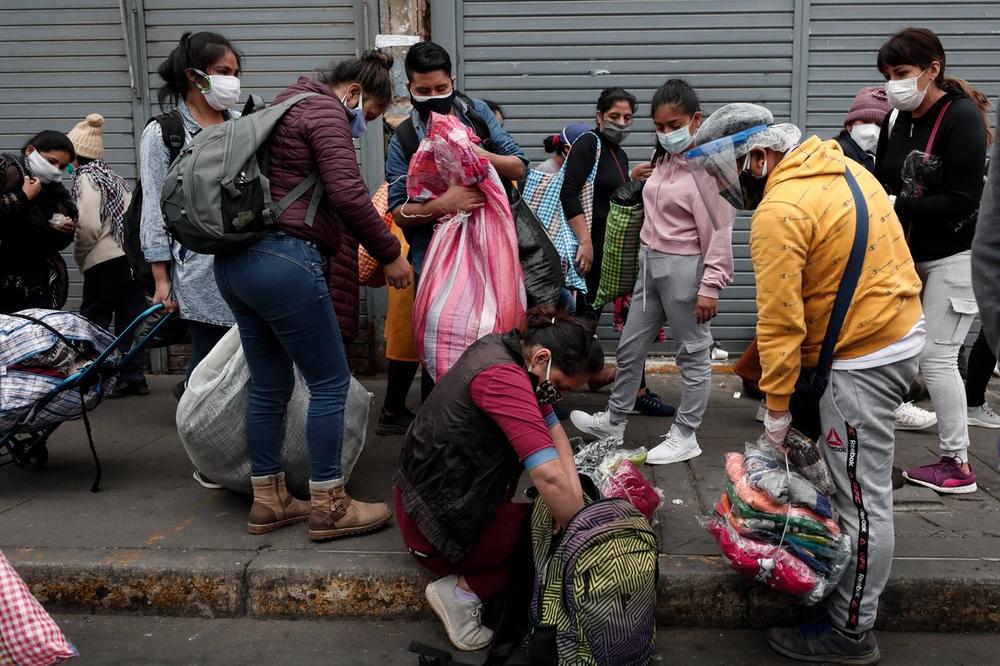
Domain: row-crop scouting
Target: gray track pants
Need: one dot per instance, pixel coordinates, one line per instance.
(857, 414)
(665, 293)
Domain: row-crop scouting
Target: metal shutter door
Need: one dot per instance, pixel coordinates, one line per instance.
(542, 61)
(59, 61)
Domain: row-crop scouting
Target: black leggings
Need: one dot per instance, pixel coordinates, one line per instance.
(981, 365)
(203, 338)
(400, 376)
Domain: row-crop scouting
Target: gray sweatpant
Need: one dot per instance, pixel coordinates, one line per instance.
(857, 413)
(666, 292)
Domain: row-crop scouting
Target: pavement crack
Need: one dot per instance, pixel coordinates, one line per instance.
(14, 506)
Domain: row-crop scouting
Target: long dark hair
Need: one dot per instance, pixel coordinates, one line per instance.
(200, 50)
(370, 71)
(675, 92)
(572, 341)
(611, 96)
(921, 47)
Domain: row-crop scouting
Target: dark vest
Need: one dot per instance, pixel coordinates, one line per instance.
(457, 465)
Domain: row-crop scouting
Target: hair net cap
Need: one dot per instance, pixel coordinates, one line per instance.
(734, 118)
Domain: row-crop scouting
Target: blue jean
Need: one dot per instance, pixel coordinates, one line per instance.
(279, 296)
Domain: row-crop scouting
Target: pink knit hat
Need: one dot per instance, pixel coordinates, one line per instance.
(870, 105)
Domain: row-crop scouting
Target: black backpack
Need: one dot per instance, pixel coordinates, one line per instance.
(172, 128)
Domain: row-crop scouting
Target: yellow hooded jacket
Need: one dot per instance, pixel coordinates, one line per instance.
(800, 240)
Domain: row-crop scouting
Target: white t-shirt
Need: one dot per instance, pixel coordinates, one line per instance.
(906, 347)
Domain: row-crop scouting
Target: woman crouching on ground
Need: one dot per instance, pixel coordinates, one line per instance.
(488, 418)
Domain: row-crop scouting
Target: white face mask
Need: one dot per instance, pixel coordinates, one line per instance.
(866, 136)
(223, 92)
(42, 169)
(677, 141)
(904, 93)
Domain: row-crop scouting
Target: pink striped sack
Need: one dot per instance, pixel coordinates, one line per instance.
(471, 284)
(28, 636)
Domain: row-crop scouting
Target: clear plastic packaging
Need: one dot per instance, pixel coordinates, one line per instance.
(629, 483)
(805, 456)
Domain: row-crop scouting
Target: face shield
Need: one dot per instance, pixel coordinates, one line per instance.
(722, 160)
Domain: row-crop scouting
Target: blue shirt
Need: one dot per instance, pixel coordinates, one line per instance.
(397, 164)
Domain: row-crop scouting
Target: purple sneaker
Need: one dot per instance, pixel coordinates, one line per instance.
(944, 476)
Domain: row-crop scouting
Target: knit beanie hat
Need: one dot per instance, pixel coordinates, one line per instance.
(87, 138)
(870, 105)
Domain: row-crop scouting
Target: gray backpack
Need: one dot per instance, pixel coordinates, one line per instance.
(217, 197)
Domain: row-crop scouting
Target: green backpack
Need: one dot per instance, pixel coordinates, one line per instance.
(594, 599)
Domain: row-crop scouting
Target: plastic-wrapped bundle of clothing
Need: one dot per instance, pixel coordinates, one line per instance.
(776, 527)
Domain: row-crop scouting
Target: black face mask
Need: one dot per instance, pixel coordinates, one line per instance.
(752, 187)
(426, 106)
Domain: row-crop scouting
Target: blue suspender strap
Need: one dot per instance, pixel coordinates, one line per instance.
(848, 284)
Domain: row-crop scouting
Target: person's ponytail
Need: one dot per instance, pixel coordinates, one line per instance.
(573, 341)
(954, 84)
(371, 71)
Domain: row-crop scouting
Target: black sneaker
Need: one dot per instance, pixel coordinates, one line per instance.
(394, 424)
(126, 389)
(819, 641)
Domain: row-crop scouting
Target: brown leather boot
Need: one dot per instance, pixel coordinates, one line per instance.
(273, 506)
(334, 514)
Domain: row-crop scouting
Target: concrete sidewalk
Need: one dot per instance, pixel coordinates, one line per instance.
(154, 541)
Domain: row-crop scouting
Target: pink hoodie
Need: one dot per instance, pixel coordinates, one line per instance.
(679, 220)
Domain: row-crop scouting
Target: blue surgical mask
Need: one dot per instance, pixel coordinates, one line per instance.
(359, 124)
(676, 142)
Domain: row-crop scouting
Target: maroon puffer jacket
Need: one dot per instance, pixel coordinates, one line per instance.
(316, 135)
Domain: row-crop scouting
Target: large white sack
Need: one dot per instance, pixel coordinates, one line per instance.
(211, 420)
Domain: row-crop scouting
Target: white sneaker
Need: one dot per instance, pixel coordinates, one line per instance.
(597, 425)
(462, 620)
(983, 417)
(674, 448)
(761, 412)
(911, 417)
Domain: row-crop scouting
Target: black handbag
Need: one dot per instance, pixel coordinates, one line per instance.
(812, 382)
(540, 263)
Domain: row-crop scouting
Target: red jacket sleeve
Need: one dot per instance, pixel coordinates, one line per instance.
(329, 135)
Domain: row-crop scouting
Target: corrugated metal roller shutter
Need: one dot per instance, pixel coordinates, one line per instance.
(845, 38)
(541, 62)
(59, 61)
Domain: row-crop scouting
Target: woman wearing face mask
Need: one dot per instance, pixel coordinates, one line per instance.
(937, 201)
(558, 146)
(686, 261)
(37, 220)
(489, 418)
(278, 291)
(201, 80)
(864, 119)
(615, 109)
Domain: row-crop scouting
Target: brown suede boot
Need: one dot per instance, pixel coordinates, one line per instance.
(334, 514)
(273, 506)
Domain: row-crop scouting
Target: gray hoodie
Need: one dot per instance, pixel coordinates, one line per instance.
(986, 251)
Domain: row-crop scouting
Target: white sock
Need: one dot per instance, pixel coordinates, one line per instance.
(462, 595)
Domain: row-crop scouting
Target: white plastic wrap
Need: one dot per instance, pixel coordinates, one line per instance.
(211, 420)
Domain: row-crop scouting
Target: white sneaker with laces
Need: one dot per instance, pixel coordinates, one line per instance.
(462, 620)
(598, 425)
(673, 449)
(984, 417)
(911, 417)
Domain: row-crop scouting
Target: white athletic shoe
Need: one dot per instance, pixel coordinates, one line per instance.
(911, 417)
(673, 449)
(462, 620)
(983, 417)
(597, 425)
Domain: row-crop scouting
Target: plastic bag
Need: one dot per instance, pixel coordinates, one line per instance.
(810, 462)
(767, 470)
(28, 635)
(471, 284)
(540, 261)
(920, 171)
(589, 457)
(629, 483)
(211, 421)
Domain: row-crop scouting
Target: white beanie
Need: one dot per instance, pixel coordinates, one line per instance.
(87, 138)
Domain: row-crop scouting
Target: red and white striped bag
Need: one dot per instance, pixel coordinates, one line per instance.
(28, 636)
(471, 284)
